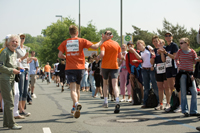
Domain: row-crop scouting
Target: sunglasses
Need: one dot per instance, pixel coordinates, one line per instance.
(168, 35)
(107, 33)
(182, 43)
(22, 38)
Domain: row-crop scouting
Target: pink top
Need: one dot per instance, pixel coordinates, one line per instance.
(185, 61)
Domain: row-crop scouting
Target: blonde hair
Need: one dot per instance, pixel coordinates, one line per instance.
(73, 29)
(162, 41)
(186, 40)
(141, 41)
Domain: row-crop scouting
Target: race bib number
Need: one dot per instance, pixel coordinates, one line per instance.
(168, 62)
(160, 68)
(72, 45)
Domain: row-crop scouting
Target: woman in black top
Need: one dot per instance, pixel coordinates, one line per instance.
(61, 67)
(97, 77)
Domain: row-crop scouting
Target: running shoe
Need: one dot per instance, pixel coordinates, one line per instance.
(123, 100)
(105, 105)
(159, 107)
(178, 110)
(78, 109)
(73, 111)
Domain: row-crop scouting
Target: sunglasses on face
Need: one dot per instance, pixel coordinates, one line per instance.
(22, 38)
(107, 33)
(168, 35)
(182, 43)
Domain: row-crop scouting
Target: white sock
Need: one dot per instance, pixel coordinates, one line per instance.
(76, 103)
(105, 100)
(117, 99)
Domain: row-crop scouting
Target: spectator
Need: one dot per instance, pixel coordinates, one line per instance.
(23, 83)
(161, 79)
(198, 36)
(133, 65)
(97, 77)
(148, 72)
(185, 58)
(33, 72)
(8, 69)
(84, 80)
(91, 76)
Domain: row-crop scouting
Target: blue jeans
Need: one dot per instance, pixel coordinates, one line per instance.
(84, 81)
(193, 89)
(92, 83)
(148, 76)
(23, 85)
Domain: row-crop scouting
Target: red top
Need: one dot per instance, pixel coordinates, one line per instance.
(132, 57)
(185, 61)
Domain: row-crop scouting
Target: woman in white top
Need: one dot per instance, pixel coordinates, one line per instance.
(148, 72)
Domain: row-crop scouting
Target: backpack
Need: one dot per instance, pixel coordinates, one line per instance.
(174, 102)
(151, 100)
(137, 96)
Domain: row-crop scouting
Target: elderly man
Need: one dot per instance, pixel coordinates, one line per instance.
(8, 69)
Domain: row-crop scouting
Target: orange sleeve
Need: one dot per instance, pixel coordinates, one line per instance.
(62, 47)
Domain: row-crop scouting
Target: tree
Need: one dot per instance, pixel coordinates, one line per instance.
(90, 33)
(139, 34)
(54, 34)
(116, 37)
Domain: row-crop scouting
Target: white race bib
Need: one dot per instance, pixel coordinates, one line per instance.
(72, 45)
(168, 62)
(160, 68)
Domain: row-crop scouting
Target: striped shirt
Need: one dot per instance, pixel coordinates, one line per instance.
(185, 61)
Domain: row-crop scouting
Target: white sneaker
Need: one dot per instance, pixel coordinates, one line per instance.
(123, 100)
(178, 110)
(129, 100)
(159, 107)
(167, 106)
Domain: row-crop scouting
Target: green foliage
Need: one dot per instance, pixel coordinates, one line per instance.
(116, 37)
(1, 44)
(90, 33)
(55, 34)
(139, 34)
(178, 33)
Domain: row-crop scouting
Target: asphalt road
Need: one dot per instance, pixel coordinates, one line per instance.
(50, 113)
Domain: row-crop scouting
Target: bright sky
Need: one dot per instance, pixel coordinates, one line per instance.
(31, 16)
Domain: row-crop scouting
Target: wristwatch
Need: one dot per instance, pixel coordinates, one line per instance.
(166, 54)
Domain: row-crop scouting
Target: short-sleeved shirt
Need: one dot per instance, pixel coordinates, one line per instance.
(73, 48)
(33, 66)
(112, 49)
(171, 49)
(146, 56)
(56, 67)
(47, 68)
(21, 53)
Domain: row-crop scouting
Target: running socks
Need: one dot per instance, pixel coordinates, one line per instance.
(117, 100)
(105, 100)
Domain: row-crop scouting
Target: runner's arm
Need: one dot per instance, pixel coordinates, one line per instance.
(61, 55)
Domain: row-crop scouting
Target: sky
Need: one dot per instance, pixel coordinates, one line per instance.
(31, 16)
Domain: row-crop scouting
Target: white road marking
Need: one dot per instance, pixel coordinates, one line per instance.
(46, 130)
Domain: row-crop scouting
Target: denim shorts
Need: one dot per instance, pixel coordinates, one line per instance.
(113, 73)
(74, 75)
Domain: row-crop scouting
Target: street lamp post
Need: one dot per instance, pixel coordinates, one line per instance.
(121, 23)
(59, 16)
(79, 30)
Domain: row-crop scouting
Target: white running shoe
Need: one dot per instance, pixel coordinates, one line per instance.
(178, 110)
(123, 100)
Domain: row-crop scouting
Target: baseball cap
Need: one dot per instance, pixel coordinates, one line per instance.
(169, 33)
(8, 36)
(22, 34)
